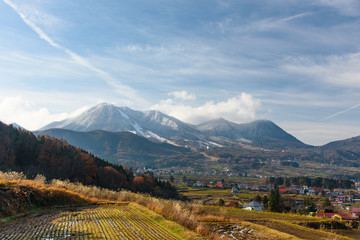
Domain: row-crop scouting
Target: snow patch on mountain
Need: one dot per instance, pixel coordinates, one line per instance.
(138, 129)
(161, 118)
(157, 137)
(124, 115)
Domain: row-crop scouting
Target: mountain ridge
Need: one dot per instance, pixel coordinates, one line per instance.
(159, 127)
(119, 147)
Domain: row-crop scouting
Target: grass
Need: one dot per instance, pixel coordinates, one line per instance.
(175, 228)
(181, 212)
(186, 220)
(255, 215)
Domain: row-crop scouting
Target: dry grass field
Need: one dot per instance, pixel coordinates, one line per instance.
(88, 212)
(99, 222)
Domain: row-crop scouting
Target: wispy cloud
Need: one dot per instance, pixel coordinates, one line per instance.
(349, 7)
(273, 23)
(341, 112)
(235, 25)
(340, 70)
(183, 95)
(122, 89)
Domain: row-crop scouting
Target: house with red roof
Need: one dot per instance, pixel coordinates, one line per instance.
(219, 185)
(234, 204)
(284, 190)
(338, 203)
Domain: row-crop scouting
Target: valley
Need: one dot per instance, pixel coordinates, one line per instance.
(162, 142)
(179, 120)
(165, 179)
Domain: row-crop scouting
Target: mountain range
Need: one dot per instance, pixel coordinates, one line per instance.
(159, 127)
(151, 138)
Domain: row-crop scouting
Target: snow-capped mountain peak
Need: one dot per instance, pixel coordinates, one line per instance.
(158, 126)
(104, 116)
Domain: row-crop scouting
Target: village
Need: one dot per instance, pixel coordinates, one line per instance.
(337, 204)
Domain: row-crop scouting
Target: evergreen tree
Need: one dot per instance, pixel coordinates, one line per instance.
(184, 178)
(258, 199)
(326, 203)
(274, 202)
(265, 202)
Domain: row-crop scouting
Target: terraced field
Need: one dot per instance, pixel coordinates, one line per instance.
(102, 222)
(284, 223)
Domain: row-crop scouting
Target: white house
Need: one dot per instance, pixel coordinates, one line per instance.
(253, 206)
(235, 190)
(198, 184)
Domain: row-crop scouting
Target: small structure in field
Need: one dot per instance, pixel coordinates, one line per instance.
(219, 185)
(253, 206)
(198, 185)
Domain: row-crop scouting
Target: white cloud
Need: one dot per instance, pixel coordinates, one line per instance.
(342, 112)
(241, 108)
(26, 114)
(271, 23)
(122, 89)
(183, 95)
(336, 69)
(234, 25)
(348, 7)
(37, 16)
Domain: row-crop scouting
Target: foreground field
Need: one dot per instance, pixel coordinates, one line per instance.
(102, 222)
(74, 211)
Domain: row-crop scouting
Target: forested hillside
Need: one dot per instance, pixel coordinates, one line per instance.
(21, 150)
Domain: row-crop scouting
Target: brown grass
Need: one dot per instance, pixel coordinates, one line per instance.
(183, 213)
(193, 216)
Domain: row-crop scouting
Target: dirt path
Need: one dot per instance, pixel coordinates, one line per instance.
(101, 222)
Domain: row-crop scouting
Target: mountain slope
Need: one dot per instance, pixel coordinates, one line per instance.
(119, 147)
(22, 151)
(159, 127)
(100, 117)
(150, 124)
(262, 133)
(350, 144)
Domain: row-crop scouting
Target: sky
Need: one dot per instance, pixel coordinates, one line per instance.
(296, 62)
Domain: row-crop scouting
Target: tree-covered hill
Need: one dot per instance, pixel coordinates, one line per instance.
(21, 150)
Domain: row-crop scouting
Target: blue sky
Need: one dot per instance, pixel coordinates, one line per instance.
(293, 62)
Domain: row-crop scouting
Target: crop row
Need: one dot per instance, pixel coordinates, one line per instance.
(105, 222)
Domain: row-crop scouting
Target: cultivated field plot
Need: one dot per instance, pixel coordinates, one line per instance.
(285, 223)
(102, 222)
(237, 231)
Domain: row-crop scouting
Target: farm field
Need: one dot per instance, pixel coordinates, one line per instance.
(98, 222)
(290, 224)
(210, 196)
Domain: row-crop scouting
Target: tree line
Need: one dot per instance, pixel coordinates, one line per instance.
(311, 182)
(22, 151)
